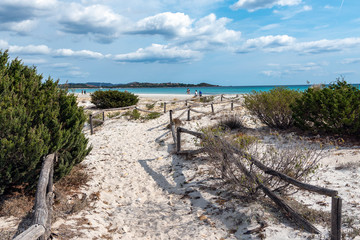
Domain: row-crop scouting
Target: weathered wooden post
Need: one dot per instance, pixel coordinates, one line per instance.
(336, 204)
(221, 97)
(188, 118)
(178, 139)
(185, 102)
(164, 107)
(212, 108)
(232, 105)
(91, 124)
(103, 116)
(171, 119)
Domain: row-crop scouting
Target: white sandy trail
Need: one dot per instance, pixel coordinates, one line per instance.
(135, 201)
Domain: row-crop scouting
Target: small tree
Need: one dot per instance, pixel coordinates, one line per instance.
(273, 107)
(113, 99)
(36, 118)
(334, 109)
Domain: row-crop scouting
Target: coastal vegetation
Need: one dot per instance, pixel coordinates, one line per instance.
(113, 99)
(334, 109)
(36, 118)
(273, 108)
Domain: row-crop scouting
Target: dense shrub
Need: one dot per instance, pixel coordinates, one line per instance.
(36, 118)
(273, 107)
(113, 99)
(231, 122)
(334, 109)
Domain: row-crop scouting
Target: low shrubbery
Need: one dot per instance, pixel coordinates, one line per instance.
(273, 107)
(289, 155)
(113, 99)
(333, 110)
(37, 118)
(231, 122)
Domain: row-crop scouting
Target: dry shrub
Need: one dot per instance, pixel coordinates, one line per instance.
(289, 155)
(17, 206)
(231, 122)
(77, 178)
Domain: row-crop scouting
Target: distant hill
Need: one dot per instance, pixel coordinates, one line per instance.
(133, 85)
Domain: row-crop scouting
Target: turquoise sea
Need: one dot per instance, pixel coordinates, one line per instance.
(204, 90)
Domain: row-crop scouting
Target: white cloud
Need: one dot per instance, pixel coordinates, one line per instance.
(205, 33)
(167, 24)
(81, 54)
(289, 14)
(30, 49)
(21, 27)
(350, 60)
(97, 20)
(285, 43)
(159, 53)
(253, 5)
(291, 69)
(4, 44)
(267, 43)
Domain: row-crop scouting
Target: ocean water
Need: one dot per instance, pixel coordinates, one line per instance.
(204, 90)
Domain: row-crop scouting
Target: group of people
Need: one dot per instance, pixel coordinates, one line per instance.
(196, 92)
(83, 91)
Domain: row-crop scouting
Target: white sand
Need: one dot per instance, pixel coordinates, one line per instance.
(146, 192)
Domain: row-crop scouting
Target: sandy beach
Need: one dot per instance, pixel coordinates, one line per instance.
(144, 191)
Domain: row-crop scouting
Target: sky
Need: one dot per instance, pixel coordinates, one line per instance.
(224, 42)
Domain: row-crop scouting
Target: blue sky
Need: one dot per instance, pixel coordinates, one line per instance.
(238, 42)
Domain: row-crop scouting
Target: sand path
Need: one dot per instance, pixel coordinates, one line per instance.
(139, 187)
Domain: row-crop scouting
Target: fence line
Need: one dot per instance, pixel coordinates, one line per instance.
(189, 107)
(298, 219)
(41, 223)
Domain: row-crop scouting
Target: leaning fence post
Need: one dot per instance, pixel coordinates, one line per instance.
(221, 97)
(232, 105)
(336, 203)
(103, 116)
(178, 139)
(91, 124)
(164, 107)
(212, 108)
(188, 118)
(171, 119)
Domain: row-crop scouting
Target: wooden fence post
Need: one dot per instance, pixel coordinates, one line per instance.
(171, 119)
(336, 204)
(221, 97)
(212, 108)
(188, 118)
(232, 105)
(178, 139)
(185, 102)
(91, 124)
(164, 107)
(103, 116)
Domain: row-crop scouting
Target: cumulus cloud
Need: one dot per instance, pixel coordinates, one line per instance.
(267, 43)
(283, 43)
(30, 49)
(19, 15)
(167, 24)
(99, 21)
(205, 33)
(253, 5)
(81, 54)
(159, 53)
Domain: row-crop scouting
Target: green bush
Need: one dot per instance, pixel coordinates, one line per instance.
(333, 110)
(273, 107)
(113, 99)
(36, 118)
(152, 115)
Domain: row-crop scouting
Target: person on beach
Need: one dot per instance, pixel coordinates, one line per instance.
(200, 93)
(188, 91)
(195, 93)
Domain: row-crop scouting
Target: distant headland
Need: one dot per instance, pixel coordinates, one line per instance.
(133, 85)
